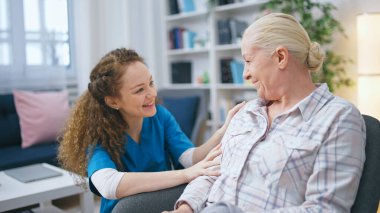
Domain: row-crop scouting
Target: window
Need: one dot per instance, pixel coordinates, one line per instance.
(35, 43)
(4, 34)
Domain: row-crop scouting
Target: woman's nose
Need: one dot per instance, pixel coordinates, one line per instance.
(152, 92)
(246, 74)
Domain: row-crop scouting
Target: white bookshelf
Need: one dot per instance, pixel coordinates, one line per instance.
(207, 57)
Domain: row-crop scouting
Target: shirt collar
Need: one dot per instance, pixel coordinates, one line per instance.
(254, 105)
(315, 101)
(307, 106)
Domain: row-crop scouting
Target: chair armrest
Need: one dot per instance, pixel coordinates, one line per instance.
(149, 202)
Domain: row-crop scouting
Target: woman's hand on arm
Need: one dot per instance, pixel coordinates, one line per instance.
(136, 182)
(183, 208)
(204, 167)
(201, 151)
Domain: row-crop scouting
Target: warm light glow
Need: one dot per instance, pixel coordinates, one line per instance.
(369, 95)
(368, 26)
(369, 43)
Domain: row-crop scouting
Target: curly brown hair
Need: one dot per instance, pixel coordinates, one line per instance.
(92, 121)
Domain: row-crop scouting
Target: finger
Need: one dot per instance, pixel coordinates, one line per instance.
(217, 147)
(214, 172)
(213, 154)
(209, 164)
(236, 108)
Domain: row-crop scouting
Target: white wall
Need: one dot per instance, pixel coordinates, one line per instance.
(346, 14)
(101, 26)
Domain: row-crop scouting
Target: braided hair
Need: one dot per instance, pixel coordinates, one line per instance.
(92, 121)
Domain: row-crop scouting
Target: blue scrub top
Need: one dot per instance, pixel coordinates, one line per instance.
(161, 142)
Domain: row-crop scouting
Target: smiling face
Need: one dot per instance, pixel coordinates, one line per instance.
(260, 68)
(137, 95)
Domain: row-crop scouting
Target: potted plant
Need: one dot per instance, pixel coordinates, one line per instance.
(318, 21)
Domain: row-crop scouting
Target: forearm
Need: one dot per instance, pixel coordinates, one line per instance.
(196, 193)
(201, 151)
(137, 182)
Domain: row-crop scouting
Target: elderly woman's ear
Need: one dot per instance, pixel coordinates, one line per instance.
(282, 56)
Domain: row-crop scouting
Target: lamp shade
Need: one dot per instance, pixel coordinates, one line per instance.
(368, 26)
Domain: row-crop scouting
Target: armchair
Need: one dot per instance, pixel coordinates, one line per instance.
(189, 108)
(367, 198)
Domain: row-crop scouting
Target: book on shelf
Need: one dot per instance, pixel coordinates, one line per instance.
(237, 68)
(230, 31)
(237, 28)
(181, 72)
(224, 34)
(186, 6)
(225, 70)
(231, 71)
(224, 2)
(173, 7)
(188, 38)
(181, 38)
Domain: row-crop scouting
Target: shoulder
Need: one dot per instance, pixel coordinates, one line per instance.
(342, 106)
(332, 104)
(340, 111)
(249, 107)
(162, 112)
(162, 115)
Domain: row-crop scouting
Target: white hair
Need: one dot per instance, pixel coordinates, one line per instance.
(279, 29)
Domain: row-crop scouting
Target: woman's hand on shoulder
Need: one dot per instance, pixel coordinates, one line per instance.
(209, 166)
(230, 115)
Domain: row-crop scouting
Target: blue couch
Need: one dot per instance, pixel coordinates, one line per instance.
(11, 153)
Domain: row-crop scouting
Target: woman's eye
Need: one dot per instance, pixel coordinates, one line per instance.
(140, 90)
(151, 83)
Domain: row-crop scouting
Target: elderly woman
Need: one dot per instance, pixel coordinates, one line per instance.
(297, 148)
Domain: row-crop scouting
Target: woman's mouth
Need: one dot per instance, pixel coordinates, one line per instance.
(255, 83)
(148, 105)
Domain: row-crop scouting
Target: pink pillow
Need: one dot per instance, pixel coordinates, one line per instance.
(41, 114)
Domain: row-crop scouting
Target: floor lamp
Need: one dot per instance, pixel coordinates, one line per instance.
(368, 26)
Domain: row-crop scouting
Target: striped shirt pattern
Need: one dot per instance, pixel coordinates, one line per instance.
(309, 160)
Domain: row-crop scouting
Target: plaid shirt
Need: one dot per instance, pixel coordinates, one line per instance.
(309, 160)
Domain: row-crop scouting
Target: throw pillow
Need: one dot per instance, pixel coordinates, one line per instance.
(42, 115)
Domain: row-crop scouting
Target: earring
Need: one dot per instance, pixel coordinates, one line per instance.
(117, 108)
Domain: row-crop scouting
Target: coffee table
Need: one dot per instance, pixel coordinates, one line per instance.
(15, 194)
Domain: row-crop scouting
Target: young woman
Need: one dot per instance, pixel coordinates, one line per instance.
(125, 143)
